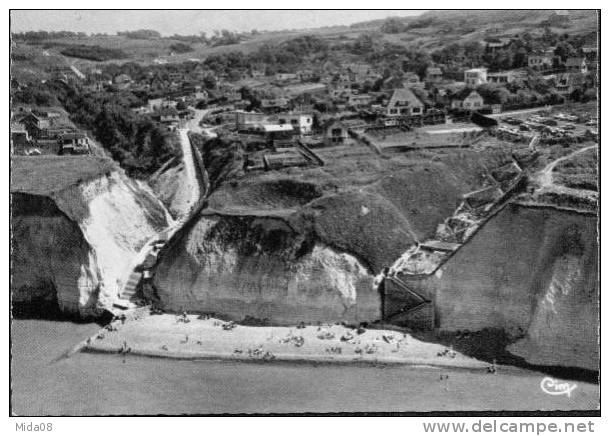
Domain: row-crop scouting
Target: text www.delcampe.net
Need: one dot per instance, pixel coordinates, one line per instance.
(493, 426)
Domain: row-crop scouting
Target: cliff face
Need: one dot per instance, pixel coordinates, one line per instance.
(261, 267)
(531, 272)
(78, 242)
(51, 259)
(170, 186)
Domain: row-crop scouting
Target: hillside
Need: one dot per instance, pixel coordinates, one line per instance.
(430, 30)
(434, 29)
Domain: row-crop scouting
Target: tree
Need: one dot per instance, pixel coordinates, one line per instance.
(392, 25)
(209, 82)
(564, 50)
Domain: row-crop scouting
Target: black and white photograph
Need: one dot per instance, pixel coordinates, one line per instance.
(302, 212)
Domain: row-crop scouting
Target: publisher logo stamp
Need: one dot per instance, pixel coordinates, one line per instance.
(552, 386)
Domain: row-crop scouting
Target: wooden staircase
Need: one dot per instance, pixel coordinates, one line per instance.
(405, 307)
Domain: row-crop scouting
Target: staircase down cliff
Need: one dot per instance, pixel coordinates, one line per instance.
(76, 223)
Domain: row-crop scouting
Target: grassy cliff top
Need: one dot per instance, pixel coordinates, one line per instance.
(43, 175)
(370, 205)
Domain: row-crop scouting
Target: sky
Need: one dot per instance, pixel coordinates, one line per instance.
(188, 22)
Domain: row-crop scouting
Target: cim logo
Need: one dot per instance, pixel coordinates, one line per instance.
(555, 387)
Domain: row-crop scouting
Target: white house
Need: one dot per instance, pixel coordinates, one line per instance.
(468, 100)
(300, 122)
(285, 77)
(359, 100)
(475, 76)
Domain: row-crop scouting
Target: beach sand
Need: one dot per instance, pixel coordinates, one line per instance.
(189, 337)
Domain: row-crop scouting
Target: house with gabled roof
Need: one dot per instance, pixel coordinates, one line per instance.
(404, 103)
(576, 65)
(567, 83)
(467, 99)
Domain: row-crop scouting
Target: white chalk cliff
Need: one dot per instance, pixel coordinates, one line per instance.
(76, 244)
(260, 267)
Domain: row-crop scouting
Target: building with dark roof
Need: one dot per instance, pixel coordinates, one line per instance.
(404, 103)
(576, 65)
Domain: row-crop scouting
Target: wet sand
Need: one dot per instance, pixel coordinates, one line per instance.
(87, 383)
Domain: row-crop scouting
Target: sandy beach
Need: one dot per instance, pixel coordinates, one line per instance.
(193, 337)
(44, 383)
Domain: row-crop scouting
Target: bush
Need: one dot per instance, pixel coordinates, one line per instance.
(180, 47)
(141, 34)
(93, 52)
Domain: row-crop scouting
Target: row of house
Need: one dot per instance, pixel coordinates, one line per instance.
(49, 129)
(405, 103)
(548, 60)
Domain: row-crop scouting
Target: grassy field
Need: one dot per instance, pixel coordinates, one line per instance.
(43, 175)
(360, 202)
(143, 51)
(579, 172)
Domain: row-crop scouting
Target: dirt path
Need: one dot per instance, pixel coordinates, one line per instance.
(545, 177)
(521, 112)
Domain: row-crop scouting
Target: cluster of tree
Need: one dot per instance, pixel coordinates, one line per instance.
(225, 37)
(140, 145)
(515, 96)
(284, 57)
(513, 55)
(398, 25)
(556, 20)
(223, 156)
(305, 45)
(93, 52)
(38, 95)
(134, 70)
(181, 47)
(148, 73)
(140, 34)
(191, 39)
(42, 35)
(16, 57)
(365, 43)
(394, 59)
(533, 92)
(393, 25)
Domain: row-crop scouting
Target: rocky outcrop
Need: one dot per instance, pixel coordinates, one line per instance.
(76, 244)
(532, 272)
(249, 266)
